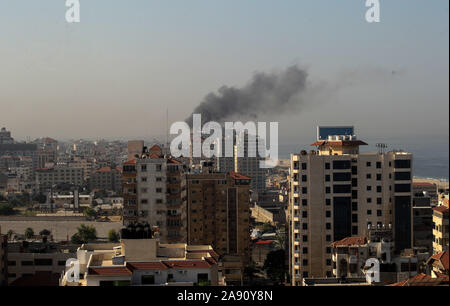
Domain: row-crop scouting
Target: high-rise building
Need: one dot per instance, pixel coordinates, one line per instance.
(106, 178)
(154, 192)
(5, 136)
(338, 192)
(219, 214)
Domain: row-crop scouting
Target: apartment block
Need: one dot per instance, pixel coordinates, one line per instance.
(106, 178)
(440, 229)
(219, 214)
(337, 192)
(154, 192)
(48, 177)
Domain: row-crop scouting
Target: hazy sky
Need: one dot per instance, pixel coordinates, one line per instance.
(115, 73)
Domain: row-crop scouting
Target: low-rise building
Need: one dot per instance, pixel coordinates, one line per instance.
(145, 262)
(106, 178)
(25, 259)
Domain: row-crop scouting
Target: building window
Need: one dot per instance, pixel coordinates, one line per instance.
(328, 250)
(305, 238)
(368, 164)
(369, 212)
(304, 190)
(368, 176)
(327, 189)
(328, 238)
(327, 166)
(379, 213)
(328, 202)
(328, 262)
(378, 188)
(327, 178)
(305, 262)
(328, 214)
(355, 230)
(305, 226)
(304, 202)
(304, 214)
(305, 250)
(378, 165)
(369, 188)
(354, 206)
(354, 218)
(143, 168)
(379, 201)
(305, 274)
(378, 176)
(304, 178)
(147, 279)
(369, 200)
(303, 166)
(328, 226)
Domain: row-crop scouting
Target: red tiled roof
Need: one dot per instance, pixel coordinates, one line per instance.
(422, 280)
(350, 241)
(264, 242)
(130, 162)
(173, 161)
(187, 264)
(157, 265)
(104, 169)
(423, 184)
(340, 143)
(109, 271)
(238, 176)
(442, 209)
(155, 148)
(443, 258)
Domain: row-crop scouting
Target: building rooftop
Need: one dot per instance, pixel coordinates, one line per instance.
(350, 241)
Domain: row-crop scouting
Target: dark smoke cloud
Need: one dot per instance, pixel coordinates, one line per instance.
(275, 93)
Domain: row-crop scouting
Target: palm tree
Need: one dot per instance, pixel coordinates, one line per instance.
(29, 233)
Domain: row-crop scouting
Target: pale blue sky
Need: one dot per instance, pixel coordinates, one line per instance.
(115, 73)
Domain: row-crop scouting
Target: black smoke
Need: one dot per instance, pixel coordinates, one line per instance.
(266, 93)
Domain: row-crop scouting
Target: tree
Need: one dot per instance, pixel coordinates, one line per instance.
(85, 234)
(45, 232)
(40, 198)
(10, 234)
(90, 212)
(274, 266)
(6, 209)
(113, 236)
(29, 233)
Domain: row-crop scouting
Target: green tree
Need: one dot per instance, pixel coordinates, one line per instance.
(113, 236)
(85, 234)
(6, 209)
(29, 233)
(45, 232)
(90, 212)
(274, 266)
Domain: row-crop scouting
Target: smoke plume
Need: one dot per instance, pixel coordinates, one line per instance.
(266, 93)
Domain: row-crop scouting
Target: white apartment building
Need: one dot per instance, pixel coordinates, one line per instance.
(145, 262)
(338, 192)
(160, 196)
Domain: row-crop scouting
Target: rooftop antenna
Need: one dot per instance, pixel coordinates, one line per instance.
(381, 147)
